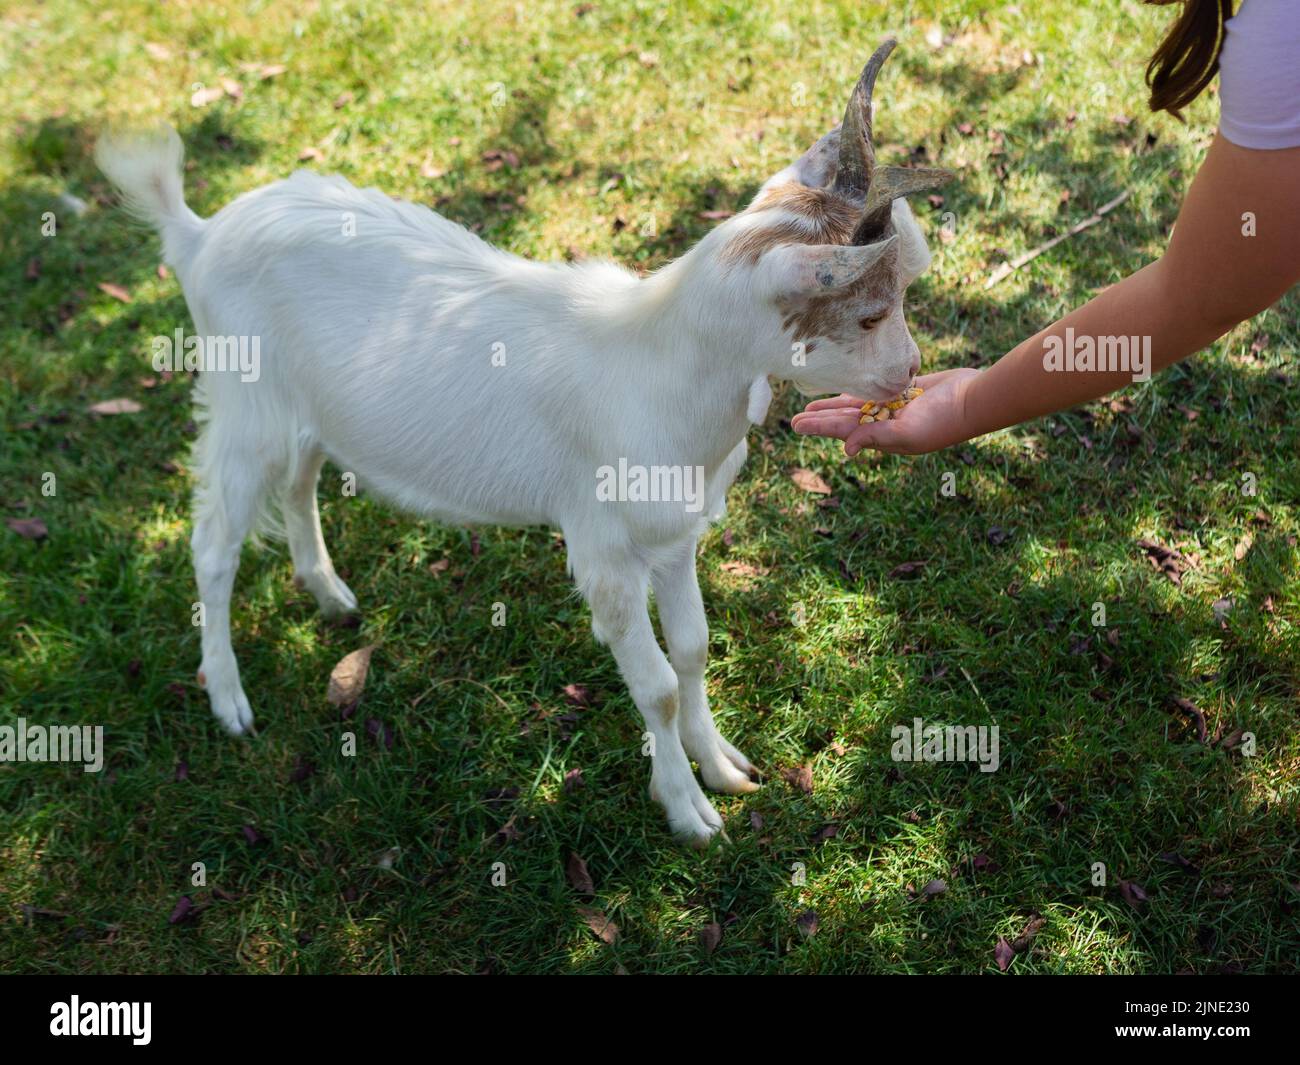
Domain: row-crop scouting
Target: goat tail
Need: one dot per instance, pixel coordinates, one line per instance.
(146, 168)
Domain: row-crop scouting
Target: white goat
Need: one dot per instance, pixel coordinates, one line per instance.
(471, 386)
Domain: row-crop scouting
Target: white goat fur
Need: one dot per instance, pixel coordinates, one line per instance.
(377, 353)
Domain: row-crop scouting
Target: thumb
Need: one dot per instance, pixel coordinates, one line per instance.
(871, 435)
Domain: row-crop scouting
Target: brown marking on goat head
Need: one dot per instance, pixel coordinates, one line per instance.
(819, 217)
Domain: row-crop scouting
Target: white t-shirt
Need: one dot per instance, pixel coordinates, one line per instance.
(1259, 75)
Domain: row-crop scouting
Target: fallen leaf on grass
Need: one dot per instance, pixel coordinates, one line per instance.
(28, 528)
(933, 888)
(579, 878)
(1166, 560)
(496, 158)
(906, 570)
(206, 95)
(1243, 546)
(1174, 858)
(1134, 894)
(807, 923)
(1195, 713)
(348, 678)
(1021, 943)
(183, 910)
(1232, 740)
(577, 695)
(1003, 954)
(744, 569)
(605, 929)
(711, 936)
(799, 777)
(1006, 951)
(810, 481)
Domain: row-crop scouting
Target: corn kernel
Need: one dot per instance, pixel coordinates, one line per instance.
(883, 412)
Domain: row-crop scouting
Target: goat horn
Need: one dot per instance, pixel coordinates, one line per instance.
(888, 183)
(857, 156)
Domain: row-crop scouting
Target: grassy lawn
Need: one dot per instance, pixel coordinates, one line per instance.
(620, 129)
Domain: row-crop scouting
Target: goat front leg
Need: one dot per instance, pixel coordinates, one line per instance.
(686, 631)
(620, 618)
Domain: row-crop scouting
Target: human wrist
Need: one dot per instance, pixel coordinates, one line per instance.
(972, 409)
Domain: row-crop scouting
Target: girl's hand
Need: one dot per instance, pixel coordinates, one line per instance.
(936, 419)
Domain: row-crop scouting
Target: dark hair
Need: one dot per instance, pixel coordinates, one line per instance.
(1188, 57)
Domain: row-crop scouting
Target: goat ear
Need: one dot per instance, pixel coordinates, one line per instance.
(821, 269)
(814, 169)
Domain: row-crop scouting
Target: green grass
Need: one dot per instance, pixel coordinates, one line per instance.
(619, 114)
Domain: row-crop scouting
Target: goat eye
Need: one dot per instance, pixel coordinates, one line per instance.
(871, 320)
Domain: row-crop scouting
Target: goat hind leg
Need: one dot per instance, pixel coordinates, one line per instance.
(686, 631)
(230, 489)
(312, 567)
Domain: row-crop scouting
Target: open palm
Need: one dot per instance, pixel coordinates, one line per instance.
(932, 421)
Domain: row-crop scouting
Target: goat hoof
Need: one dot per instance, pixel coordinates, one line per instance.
(230, 706)
(334, 598)
(723, 776)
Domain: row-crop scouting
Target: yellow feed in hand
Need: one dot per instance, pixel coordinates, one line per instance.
(878, 412)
